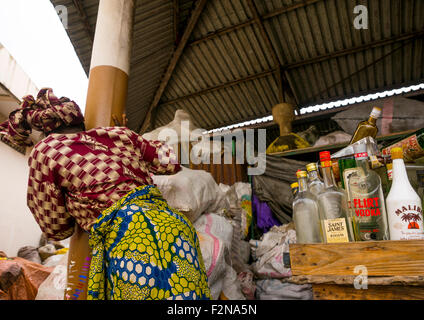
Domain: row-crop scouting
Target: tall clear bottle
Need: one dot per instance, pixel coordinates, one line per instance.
(315, 185)
(335, 223)
(404, 206)
(367, 206)
(305, 213)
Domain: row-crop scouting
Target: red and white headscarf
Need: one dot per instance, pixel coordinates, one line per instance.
(46, 113)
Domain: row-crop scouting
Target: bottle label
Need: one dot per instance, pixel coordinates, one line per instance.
(406, 221)
(336, 230)
(411, 148)
(365, 212)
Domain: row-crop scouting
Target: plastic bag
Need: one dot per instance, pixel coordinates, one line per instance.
(192, 192)
(53, 288)
(272, 251)
(274, 289)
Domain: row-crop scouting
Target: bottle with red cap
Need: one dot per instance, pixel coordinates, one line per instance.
(335, 223)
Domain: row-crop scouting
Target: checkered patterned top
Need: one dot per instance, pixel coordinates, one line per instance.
(74, 177)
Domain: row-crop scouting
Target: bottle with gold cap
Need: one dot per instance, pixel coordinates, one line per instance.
(305, 213)
(335, 223)
(315, 185)
(367, 128)
(404, 206)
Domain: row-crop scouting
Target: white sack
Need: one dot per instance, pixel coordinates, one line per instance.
(192, 192)
(53, 288)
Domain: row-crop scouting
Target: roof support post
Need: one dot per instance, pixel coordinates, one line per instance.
(106, 96)
(110, 63)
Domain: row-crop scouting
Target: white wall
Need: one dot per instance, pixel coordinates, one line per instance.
(17, 225)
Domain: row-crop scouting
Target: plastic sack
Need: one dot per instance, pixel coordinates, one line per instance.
(231, 288)
(53, 288)
(333, 138)
(274, 289)
(192, 192)
(215, 236)
(272, 251)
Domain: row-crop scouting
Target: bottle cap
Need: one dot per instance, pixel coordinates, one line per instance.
(294, 185)
(375, 113)
(397, 153)
(301, 174)
(311, 167)
(324, 155)
(325, 158)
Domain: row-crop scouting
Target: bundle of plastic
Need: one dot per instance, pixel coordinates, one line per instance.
(272, 252)
(274, 289)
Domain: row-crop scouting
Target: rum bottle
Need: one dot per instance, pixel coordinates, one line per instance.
(366, 200)
(404, 206)
(367, 128)
(335, 223)
(305, 213)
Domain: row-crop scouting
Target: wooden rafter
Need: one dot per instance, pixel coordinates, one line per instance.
(253, 20)
(374, 44)
(279, 73)
(84, 19)
(200, 5)
(219, 87)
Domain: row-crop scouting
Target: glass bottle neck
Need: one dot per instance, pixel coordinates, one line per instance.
(312, 175)
(328, 177)
(400, 176)
(363, 164)
(372, 121)
(303, 184)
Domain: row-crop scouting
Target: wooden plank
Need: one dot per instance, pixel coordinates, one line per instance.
(381, 258)
(349, 280)
(335, 292)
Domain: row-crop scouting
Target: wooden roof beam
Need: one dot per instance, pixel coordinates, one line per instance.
(280, 73)
(253, 20)
(200, 5)
(374, 44)
(219, 87)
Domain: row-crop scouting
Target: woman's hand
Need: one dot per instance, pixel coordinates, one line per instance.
(122, 123)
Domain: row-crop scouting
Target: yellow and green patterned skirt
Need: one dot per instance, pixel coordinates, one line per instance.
(143, 249)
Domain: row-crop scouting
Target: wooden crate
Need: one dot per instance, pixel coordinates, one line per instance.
(395, 269)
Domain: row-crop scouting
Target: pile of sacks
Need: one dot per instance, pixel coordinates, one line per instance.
(221, 216)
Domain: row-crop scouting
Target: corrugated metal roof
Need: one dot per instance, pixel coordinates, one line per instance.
(227, 73)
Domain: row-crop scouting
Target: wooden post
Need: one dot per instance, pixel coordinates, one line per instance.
(106, 96)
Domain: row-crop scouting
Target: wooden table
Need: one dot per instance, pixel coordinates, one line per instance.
(395, 269)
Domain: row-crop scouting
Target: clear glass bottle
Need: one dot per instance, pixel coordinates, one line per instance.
(366, 200)
(367, 128)
(335, 223)
(404, 206)
(315, 185)
(305, 213)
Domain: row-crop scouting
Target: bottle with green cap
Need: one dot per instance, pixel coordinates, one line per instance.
(305, 213)
(315, 185)
(404, 206)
